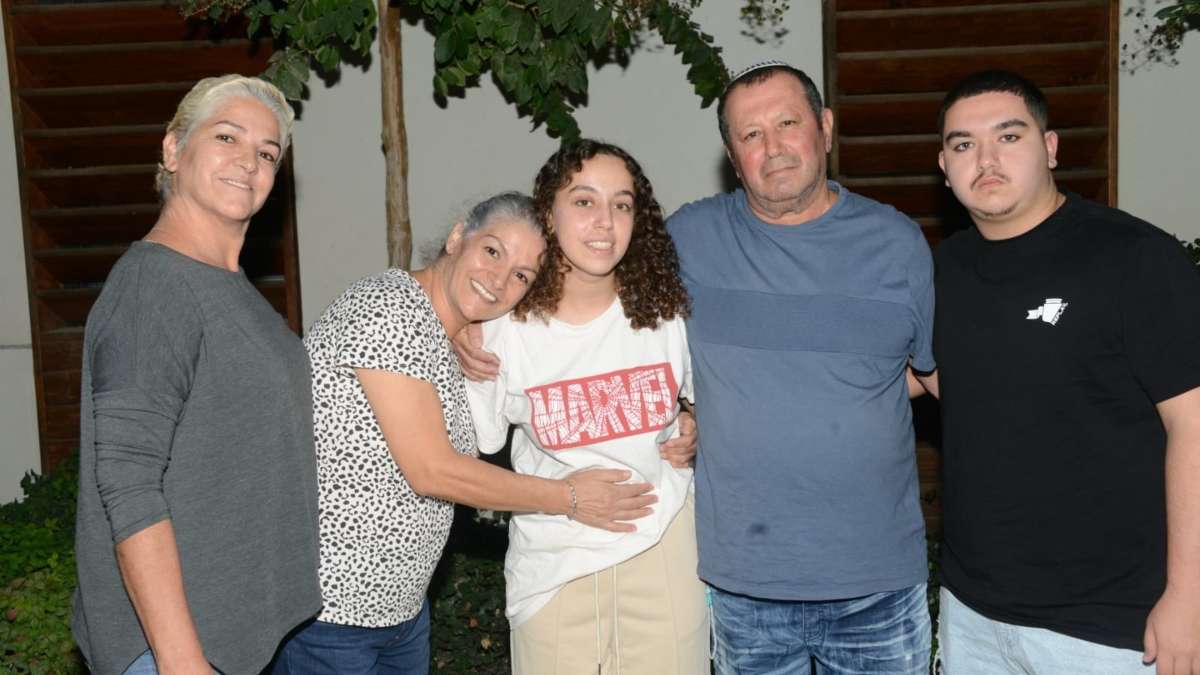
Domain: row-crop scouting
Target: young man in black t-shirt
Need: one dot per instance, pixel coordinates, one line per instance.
(1067, 339)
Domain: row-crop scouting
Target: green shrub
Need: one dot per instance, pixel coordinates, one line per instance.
(35, 633)
(37, 575)
(469, 632)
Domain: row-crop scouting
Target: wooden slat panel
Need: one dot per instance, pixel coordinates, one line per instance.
(892, 155)
(917, 113)
(157, 62)
(919, 199)
(55, 149)
(78, 267)
(61, 422)
(101, 106)
(1091, 187)
(65, 307)
(108, 23)
(61, 350)
(91, 226)
(83, 188)
(1050, 66)
(66, 268)
(61, 387)
(860, 5)
(56, 450)
(927, 29)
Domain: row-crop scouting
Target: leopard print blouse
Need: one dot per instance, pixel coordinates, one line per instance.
(380, 541)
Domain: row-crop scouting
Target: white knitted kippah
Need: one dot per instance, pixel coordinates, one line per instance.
(773, 63)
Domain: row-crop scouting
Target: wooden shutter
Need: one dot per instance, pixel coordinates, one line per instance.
(889, 63)
(93, 85)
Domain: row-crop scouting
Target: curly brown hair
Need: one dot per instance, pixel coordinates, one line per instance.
(647, 275)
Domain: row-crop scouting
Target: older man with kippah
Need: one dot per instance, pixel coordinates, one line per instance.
(810, 302)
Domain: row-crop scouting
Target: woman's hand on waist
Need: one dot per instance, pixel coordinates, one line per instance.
(600, 499)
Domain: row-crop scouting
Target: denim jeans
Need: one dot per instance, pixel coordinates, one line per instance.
(969, 642)
(145, 665)
(319, 648)
(880, 633)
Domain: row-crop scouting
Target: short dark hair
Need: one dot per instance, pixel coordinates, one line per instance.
(756, 75)
(1002, 81)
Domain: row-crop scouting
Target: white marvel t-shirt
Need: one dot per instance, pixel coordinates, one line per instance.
(599, 394)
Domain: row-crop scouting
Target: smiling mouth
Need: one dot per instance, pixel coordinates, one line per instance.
(483, 292)
(236, 183)
(599, 245)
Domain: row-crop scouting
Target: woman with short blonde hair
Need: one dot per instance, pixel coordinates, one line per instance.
(196, 533)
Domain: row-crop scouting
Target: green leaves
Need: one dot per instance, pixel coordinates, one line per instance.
(317, 32)
(538, 51)
(288, 70)
(37, 576)
(706, 70)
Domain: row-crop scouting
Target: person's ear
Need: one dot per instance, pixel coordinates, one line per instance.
(170, 152)
(827, 128)
(455, 240)
(1051, 140)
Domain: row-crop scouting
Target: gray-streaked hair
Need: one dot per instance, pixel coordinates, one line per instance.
(511, 205)
(209, 94)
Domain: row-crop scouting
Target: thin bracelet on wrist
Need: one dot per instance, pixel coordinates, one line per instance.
(574, 510)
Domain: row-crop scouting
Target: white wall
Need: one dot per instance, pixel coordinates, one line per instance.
(339, 179)
(477, 145)
(18, 407)
(1159, 154)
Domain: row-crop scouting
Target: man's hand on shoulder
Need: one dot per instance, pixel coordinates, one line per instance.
(478, 364)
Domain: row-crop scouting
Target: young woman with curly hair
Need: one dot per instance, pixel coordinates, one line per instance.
(593, 363)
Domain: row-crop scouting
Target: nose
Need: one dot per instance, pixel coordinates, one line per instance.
(497, 279)
(988, 157)
(604, 219)
(772, 143)
(248, 159)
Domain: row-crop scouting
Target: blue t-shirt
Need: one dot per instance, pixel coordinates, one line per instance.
(806, 478)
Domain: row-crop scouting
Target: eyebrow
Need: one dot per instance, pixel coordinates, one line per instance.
(499, 244)
(1006, 124)
(589, 188)
(242, 129)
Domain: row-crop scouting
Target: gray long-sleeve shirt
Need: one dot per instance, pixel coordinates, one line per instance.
(196, 407)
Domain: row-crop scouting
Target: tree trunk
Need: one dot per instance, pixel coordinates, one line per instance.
(395, 140)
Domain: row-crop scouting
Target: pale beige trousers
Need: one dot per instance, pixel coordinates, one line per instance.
(645, 616)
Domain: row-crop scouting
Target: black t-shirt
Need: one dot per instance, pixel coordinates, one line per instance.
(1053, 348)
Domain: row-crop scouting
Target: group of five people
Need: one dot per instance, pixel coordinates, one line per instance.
(245, 506)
